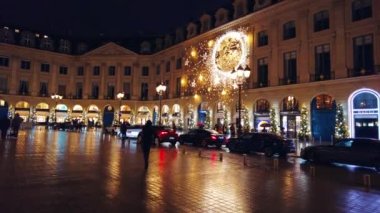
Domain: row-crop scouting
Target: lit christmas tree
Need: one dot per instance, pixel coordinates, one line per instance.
(208, 121)
(304, 131)
(340, 124)
(246, 127)
(273, 121)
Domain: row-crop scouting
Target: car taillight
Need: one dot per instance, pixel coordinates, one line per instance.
(213, 137)
(163, 133)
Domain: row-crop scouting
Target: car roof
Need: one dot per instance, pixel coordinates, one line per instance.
(360, 139)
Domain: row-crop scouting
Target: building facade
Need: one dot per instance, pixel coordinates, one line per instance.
(305, 57)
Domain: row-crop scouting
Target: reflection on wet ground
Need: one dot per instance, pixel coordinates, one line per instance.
(53, 171)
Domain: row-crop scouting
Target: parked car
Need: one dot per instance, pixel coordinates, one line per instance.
(133, 131)
(356, 151)
(267, 143)
(162, 134)
(202, 137)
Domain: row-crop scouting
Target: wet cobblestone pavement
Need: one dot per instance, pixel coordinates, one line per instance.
(52, 171)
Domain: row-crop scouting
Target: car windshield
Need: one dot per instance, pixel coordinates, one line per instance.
(344, 143)
(213, 131)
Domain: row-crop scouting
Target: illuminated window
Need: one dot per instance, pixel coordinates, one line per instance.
(289, 104)
(262, 106)
(324, 102)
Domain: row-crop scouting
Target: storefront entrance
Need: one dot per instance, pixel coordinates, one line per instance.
(364, 114)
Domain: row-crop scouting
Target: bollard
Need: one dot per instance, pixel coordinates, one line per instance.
(275, 163)
(220, 156)
(367, 180)
(199, 153)
(312, 171)
(245, 160)
(183, 151)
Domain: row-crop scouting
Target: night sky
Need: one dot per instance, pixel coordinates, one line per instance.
(109, 18)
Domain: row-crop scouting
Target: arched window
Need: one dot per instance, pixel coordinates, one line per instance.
(365, 101)
(324, 102)
(290, 104)
(262, 106)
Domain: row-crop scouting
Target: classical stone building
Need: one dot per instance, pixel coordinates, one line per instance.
(304, 53)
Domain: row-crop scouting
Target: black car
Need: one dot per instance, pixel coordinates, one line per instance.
(267, 143)
(203, 138)
(356, 151)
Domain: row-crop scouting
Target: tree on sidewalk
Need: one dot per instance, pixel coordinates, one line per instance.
(341, 130)
(273, 121)
(304, 132)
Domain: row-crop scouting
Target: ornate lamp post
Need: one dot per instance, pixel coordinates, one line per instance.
(56, 97)
(160, 89)
(239, 76)
(120, 96)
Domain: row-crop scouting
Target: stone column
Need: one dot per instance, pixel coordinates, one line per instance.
(102, 86)
(339, 63)
(135, 83)
(119, 77)
(274, 57)
(87, 81)
(14, 77)
(303, 49)
(53, 78)
(35, 87)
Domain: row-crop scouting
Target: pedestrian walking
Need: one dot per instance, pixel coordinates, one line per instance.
(4, 126)
(123, 131)
(16, 123)
(147, 140)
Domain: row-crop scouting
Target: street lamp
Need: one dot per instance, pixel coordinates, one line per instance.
(160, 90)
(120, 96)
(239, 76)
(56, 97)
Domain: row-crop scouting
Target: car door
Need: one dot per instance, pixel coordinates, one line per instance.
(257, 143)
(362, 153)
(340, 152)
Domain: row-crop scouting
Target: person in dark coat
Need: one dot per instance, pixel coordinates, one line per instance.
(4, 126)
(16, 123)
(147, 140)
(123, 131)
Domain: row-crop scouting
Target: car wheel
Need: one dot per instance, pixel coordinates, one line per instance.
(181, 141)
(268, 152)
(312, 157)
(282, 154)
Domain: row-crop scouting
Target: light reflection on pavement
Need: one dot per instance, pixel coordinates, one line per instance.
(55, 171)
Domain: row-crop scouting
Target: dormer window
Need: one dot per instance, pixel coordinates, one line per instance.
(65, 46)
(46, 44)
(27, 39)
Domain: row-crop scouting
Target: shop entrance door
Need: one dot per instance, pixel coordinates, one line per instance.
(367, 127)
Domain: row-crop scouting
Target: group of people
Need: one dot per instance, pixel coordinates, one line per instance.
(15, 124)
